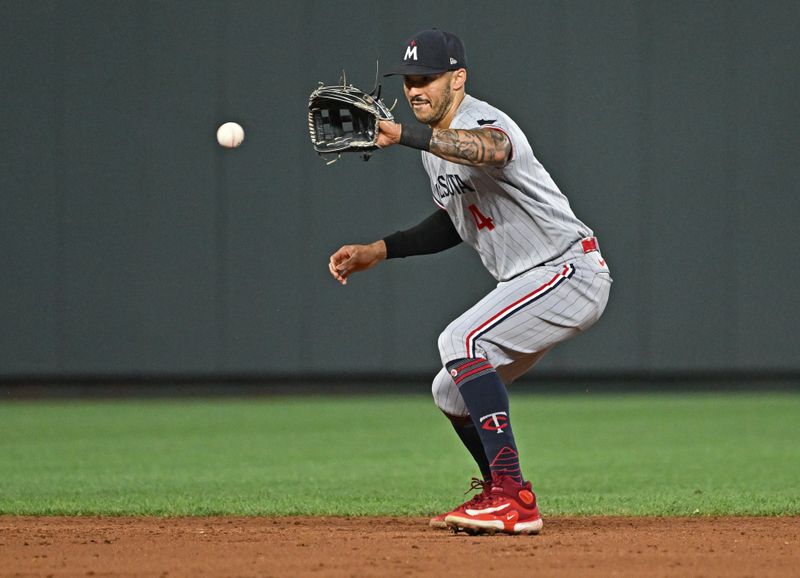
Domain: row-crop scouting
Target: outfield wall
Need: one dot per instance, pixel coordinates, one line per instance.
(131, 245)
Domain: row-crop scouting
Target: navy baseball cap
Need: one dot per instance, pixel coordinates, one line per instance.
(431, 52)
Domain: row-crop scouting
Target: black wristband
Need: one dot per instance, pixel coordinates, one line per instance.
(416, 136)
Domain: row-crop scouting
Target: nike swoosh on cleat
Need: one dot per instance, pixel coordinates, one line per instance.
(488, 510)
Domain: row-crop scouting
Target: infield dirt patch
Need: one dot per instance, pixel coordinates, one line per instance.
(380, 547)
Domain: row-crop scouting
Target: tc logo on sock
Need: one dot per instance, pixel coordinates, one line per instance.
(499, 420)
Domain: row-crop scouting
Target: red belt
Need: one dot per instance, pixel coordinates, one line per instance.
(589, 244)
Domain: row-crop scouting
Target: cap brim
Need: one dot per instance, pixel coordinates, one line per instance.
(414, 70)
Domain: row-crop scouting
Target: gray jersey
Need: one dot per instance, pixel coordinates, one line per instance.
(514, 216)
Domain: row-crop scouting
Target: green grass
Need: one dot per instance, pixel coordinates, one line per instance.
(586, 454)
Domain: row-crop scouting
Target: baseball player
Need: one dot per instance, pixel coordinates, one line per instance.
(553, 283)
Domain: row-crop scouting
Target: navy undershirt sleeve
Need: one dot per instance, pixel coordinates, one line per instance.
(436, 233)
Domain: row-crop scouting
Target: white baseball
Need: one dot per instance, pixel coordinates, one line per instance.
(230, 135)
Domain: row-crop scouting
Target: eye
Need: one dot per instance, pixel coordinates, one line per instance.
(420, 81)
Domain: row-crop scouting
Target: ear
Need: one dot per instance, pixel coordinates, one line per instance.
(458, 79)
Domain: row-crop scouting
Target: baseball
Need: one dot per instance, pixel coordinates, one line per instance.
(230, 135)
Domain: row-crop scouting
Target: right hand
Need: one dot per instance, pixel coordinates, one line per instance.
(352, 258)
(388, 133)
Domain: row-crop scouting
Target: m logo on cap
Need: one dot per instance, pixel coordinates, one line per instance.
(411, 53)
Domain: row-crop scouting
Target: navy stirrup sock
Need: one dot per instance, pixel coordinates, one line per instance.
(468, 434)
(486, 398)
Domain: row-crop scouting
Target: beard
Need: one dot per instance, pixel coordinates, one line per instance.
(436, 112)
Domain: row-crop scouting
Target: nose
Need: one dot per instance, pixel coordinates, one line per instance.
(413, 91)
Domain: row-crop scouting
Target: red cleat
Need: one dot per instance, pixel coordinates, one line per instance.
(438, 521)
(509, 507)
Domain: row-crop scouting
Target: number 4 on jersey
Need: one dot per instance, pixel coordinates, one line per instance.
(481, 220)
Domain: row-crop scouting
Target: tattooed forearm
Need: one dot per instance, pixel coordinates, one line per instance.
(481, 147)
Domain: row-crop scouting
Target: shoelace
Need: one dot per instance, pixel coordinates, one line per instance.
(476, 483)
(477, 498)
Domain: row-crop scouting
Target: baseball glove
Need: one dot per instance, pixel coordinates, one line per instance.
(344, 119)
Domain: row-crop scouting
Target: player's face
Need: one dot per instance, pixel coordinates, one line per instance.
(430, 97)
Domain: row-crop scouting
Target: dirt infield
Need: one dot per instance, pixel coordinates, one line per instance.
(380, 547)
